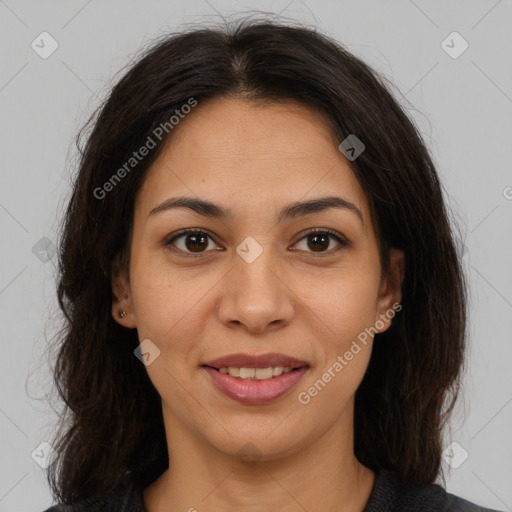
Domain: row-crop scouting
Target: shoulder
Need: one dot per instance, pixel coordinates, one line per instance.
(126, 498)
(393, 494)
(457, 504)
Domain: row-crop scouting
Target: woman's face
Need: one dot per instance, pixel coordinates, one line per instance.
(256, 281)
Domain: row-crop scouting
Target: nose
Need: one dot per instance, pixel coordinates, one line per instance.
(256, 296)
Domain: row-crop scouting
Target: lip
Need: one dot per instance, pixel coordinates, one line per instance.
(256, 392)
(243, 360)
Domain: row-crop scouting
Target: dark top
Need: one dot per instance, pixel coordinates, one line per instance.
(389, 494)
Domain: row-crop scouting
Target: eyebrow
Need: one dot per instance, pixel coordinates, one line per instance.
(291, 211)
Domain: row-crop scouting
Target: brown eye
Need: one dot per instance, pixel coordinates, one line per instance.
(196, 242)
(319, 241)
(191, 241)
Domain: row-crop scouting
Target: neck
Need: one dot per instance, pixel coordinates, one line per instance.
(319, 475)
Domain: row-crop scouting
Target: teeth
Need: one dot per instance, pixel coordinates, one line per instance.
(255, 373)
(234, 372)
(277, 370)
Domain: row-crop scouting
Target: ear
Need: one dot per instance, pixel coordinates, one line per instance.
(121, 295)
(390, 293)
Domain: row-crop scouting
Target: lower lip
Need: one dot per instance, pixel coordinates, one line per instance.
(256, 392)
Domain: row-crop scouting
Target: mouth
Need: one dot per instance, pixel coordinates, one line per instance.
(255, 386)
(255, 379)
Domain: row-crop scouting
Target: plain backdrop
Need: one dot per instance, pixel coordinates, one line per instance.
(462, 103)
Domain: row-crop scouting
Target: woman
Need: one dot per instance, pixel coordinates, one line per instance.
(265, 307)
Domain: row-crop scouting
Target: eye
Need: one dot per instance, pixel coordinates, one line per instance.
(318, 240)
(195, 242)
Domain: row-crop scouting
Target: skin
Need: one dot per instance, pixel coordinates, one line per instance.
(255, 158)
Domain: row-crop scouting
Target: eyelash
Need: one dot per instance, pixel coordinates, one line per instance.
(342, 241)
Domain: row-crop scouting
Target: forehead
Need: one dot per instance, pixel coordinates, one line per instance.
(252, 154)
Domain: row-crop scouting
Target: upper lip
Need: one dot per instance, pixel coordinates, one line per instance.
(255, 361)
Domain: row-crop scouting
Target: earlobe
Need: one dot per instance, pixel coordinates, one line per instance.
(122, 310)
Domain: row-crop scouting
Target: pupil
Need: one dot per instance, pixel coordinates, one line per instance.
(198, 242)
(316, 245)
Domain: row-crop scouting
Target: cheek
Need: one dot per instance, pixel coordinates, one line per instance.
(343, 303)
(166, 306)
(332, 388)
(343, 350)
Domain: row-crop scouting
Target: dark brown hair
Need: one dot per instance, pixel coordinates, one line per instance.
(112, 430)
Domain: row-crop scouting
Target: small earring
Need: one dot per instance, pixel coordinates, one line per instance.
(122, 314)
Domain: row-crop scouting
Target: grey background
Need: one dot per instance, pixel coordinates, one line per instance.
(463, 107)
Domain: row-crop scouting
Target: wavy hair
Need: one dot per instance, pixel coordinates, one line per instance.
(112, 430)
